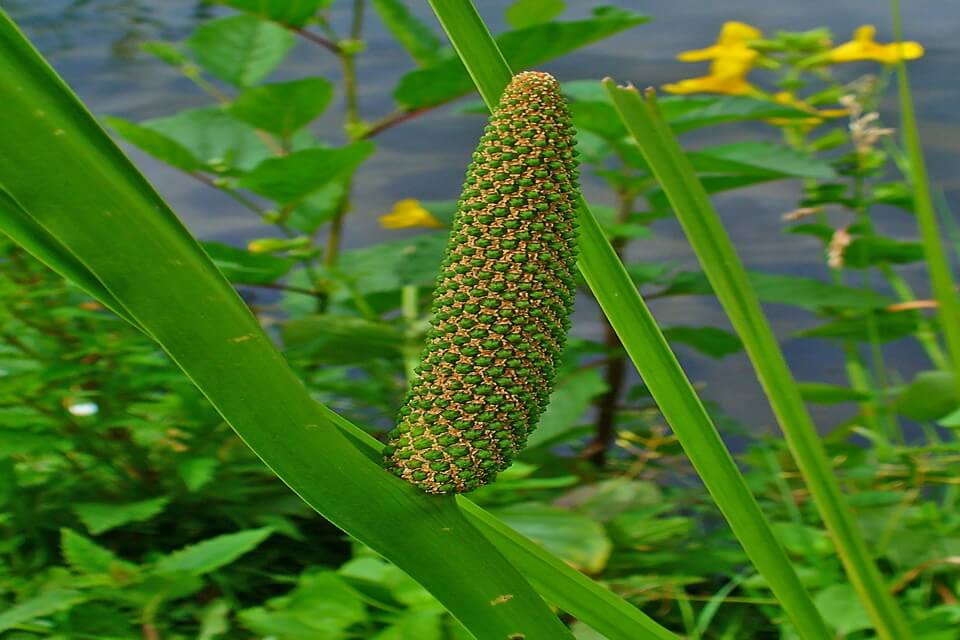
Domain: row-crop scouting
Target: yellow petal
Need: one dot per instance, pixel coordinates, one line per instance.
(866, 34)
(409, 213)
(696, 55)
(738, 32)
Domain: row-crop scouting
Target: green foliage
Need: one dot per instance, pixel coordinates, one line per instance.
(129, 509)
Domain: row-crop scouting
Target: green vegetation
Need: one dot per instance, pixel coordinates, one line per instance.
(153, 422)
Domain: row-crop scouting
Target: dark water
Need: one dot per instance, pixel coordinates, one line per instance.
(94, 44)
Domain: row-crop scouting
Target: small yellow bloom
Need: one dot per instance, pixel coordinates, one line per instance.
(732, 60)
(409, 213)
(864, 47)
(733, 42)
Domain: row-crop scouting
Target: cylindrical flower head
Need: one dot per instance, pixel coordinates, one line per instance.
(502, 302)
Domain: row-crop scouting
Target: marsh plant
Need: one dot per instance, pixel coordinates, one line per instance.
(153, 422)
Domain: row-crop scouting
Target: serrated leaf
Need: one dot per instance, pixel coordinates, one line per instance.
(283, 108)
(103, 516)
(240, 50)
(156, 144)
(292, 177)
(41, 605)
(86, 556)
(416, 38)
(523, 49)
(709, 341)
(216, 139)
(294, 13)
(317, 208)
(209, 555)
(244, 267)
(525, 13)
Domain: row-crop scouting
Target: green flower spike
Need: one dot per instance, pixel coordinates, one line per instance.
(502, 302)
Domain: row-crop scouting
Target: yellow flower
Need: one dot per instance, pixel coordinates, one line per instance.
(733, 42)
(819, 115)
(864, 47)
(409, 213)
(732, 60)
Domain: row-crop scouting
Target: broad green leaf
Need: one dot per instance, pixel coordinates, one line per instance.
(41, 605)
(873, 250)
(293, 13)
(292, 177)
(418, 39)
(797, 291)
(930, 396)
(605, 500)
(684, 113)
(571, 398)
(196, 472)
(321, 606)
(710, 341)
(216, 139)
(240, 50)
(760, 157)
(98, 517)
(823, 393)
(86, 556)
(388, 266)
(283, 108)
(317, 208)
(692, 112)
(841, 608)
(156, 144)
(571, 536)
(243, 267)
(339, 339)
(888, 326)
(812, 294)
(523, 49)
(716, 184)
(526, 13)
(209, 555)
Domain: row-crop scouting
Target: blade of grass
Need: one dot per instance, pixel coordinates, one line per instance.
(647, 348)
(941, 279)
(583, 597)
(63, 170)
(726, 273)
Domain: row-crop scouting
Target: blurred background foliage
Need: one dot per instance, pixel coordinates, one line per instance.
(128, 509)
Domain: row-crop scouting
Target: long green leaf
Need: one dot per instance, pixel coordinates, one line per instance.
(63, 170)
(941, 279)
(726, 273)
(648, 349)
